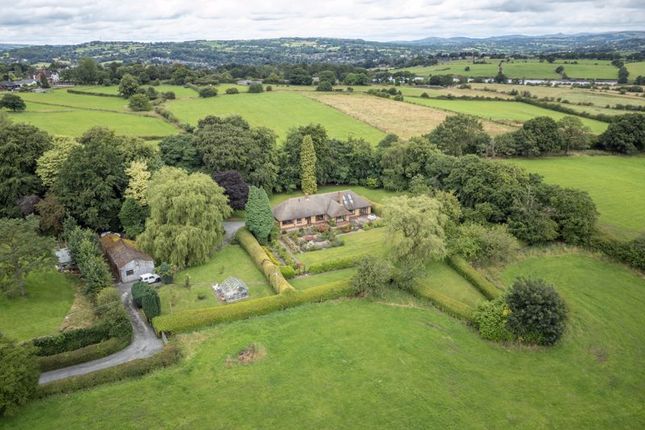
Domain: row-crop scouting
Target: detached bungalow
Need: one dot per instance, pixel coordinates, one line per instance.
(126, 260)
(341, 207)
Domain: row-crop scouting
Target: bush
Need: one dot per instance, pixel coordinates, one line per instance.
(169, 95)
(373, 276)
(462, 267)
(112, 313)
(329, 265)
(139, 103)
(151, 304)
(167, 357)
(82, 355)
(232, 90)
(491, 319)
(255, 88)
(538, 313)
(138, 290)
(262, 261)
(425, 96)
(269, 88)
(192, 319)
(18, 375)
(632, 252)
(485, 244)
(207, 92)
(324, 86)
(288, 272)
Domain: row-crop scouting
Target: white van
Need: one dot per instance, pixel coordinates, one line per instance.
(150, 278)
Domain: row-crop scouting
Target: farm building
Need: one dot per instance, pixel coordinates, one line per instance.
(127, 262)
(231, 290)
(340, 207)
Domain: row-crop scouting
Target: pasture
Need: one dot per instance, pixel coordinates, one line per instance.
(512, 112)
(615, 183)
(403, 119)
(232, 260)
(399, 362)
(279, 111)
(42, 312)
(524, 69)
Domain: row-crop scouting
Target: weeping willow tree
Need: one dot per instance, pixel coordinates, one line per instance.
(186, 217)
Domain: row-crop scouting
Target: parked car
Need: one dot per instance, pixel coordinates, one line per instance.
(371, 217)
(150, 278)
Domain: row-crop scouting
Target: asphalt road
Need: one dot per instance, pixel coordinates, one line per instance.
(144, 344)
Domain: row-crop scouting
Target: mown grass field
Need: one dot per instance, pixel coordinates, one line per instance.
(279, 111)
(529, 69)
(513, 112)
(616, 184)
(403, 119)
(232, 260)
(356, 244)
(395, 363)
(442, 278)
(50, 296)
(308, 281)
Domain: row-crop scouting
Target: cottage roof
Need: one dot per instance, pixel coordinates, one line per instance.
(121, 251)
(334, 204)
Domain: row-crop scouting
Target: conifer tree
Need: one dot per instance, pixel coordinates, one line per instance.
(308, 166)
(259, 218)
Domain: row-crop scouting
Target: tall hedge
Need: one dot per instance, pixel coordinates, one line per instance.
(151, 305)
(263, 262)
(461, 266)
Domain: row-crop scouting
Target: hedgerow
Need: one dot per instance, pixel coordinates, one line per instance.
(92, 93)
(263, 262)
(329, 265)
(70, 340)
(192, 319)
(443, 302)
(82, 355)
(167, 357)
(461, 266)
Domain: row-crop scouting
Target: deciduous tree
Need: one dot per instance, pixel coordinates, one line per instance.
(19, 374)
(460, 134)
(139, 177)
(12, 102)
(50, 163)
(179, 151)
(128, 85)
(235, 188)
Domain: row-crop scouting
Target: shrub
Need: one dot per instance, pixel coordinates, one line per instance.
(329, 265)
(288, 272)
(139, 103)
(372, 277)
(462, 267)
(18, 375)
(538, 313)
(151, 304)
(491, 319)
(112, 313)
(632, 252)
(169, 95)
(167, 357)
(255, 88)
(269, 88)
(192, 319)
(398, 98)
(232, 90)
(138, 290)
(207, 92)
(82, 355)
(485, 244)
(425, 96)
(324, 86)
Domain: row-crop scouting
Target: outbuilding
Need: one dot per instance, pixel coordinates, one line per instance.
(126, 260)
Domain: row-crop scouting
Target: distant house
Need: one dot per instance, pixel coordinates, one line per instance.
(248, 82)
(16, 85)
(126, 260)
(340, 206)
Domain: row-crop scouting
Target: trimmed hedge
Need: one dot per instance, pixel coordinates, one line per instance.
(445, 303)
(192, 319)
(92, 93)
(82, 355)
(262, 261)
(151, 305)
(631, 253)
(71, 340)
(167, 357)
(138, 290)
(328, 266)
(461, 266)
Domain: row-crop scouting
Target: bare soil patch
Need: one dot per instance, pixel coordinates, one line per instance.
(249, 355)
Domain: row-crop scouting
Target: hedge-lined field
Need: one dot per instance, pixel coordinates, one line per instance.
(229, 261)
(502, 110)
(616, 185)
(42, 311)
(277, 110)
(362, 364)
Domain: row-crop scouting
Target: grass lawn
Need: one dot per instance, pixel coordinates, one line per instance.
(442, 278)
(502, 111)
(362, 364)
(50, 296)
(63, 121)
(358, 243)
(635, 69)
(374, 195)
(62, 98)
(279, 111)
(230, 261)
(308, 281)
(616, 184)
(528, 69)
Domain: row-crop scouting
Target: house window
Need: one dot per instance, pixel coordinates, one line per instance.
(298, 220)
(286, 222)
(365, 211)
(320, 217)
(340, 218)
(129, 272)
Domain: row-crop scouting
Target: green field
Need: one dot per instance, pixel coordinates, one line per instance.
(391, 364)
(528, 69)
(442, 278)
(501, 110)
(50, 296)
(230, 261)
(616, 184)
(308, 281)
(279, 111)
(358, 243)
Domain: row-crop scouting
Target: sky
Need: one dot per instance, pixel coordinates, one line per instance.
(76, 21)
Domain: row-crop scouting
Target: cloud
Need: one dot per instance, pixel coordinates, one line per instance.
(74, 21)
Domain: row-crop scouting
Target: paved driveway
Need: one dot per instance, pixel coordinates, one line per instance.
(144, 344)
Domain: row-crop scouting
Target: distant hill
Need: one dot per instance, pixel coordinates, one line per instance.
(314, 50)
(7, 46)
